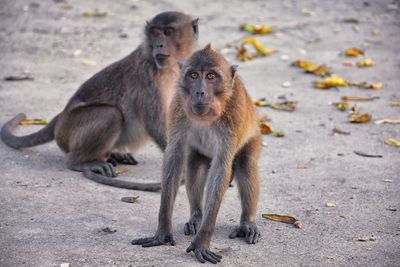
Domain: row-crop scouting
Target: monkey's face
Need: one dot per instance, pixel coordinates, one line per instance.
(171, 37)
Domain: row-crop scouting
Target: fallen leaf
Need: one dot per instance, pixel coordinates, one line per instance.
(360, 99)
(107, 230)
(279, 134)
(243, 54)
(259, 103)
(310, 67)
(366, 238)
(342, 106)
(375, 86)
(365, 63)
(284, 105)
(388, 121)
(354, 110)
(350, 20)
(121, 170)
(265, 128)
(393, 142)
(339, 131)
(89, 62)
(256, 29)
(333, 81)
(284, 219)
(395, 104)
(33, 122)
(362, 154)
(18, 78)
(330, 205)
(95, 13)
(130, 199)
(364, 118)
(354, 52)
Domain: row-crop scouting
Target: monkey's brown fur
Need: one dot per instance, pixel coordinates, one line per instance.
(120, 107)
(212, 120)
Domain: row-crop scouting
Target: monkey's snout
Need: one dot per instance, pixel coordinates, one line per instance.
(200, 109)
(161, 58)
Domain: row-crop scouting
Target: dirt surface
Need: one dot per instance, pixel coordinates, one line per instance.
(50, 215)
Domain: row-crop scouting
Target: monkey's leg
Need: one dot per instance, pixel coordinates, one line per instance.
(93, 132)
(218, 179)
(121, 158)
(246, 173)
(195, 180)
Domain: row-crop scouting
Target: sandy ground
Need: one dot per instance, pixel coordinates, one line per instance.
(50, 215)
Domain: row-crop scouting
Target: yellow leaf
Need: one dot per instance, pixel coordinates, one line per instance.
(284, 219)
(33, 122)
(361, 99)
(333, 81)
(94, 14)
(354, 52)
(360, 118)
(395, 104)
(243, 55)
(365, 63)
(393, 142)
(256, 29)
(342, 106)
(310, 67)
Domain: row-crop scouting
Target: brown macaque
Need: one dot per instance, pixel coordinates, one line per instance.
(212, 126)
(121, 106)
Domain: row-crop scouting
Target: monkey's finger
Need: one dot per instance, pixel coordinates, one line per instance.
(250, 236)
(140, 241)
(235, 233)
(108, 170)
(131, 159)
(256, 237)
(99, 170)
(208, 257)
(153, 243)
(216, 255)
(186, 229)
(212, 255)
(199, 256)
(190, 248)
(112, 161)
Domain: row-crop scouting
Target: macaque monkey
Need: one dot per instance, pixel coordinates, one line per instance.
(212, 126)
(121, 106)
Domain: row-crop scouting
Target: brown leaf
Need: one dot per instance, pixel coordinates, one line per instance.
(14, 78)
(339, 131)
(364, 118)
(130, 199)
(285, 105)
(265, 128)
(284, 219)
(360, 99)
(354, 52)
(33, 122)
(362, 154)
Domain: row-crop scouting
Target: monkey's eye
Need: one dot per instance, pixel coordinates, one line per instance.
(168, 32)
(194, 75)
(210, 76)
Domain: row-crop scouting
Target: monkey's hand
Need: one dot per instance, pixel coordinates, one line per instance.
(157, 240)
(202, 251)
(248, 230)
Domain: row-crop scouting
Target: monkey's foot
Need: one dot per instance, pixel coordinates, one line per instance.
(100, 167)
(248, 230)
(191, 226)
(122, 159)
(156, 240)
(203, 254)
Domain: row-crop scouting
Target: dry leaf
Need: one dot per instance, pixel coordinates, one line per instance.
(279, 134)
(18, 78)
(243, 55)
(284, 219)
(375, 86)
(130, 199)
(33, 122)
(354, 52)
(342, 106)
(360, 99)
(310, 67)
(330, 205)
(393, 142)
(256, 29)
(362, 154)
(366, 238)
(360, 118)
(265, 128)
(285, 105)
(365, 63)
(121, 170)
(388, 121)
(395, 104)
(95, 13)
(333, 81)
(339, 131)
(259, 103)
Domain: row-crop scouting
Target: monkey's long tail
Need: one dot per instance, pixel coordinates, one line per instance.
(152, 187)
(42, 136)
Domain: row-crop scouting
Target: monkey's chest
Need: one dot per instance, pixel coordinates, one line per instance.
(205, 141)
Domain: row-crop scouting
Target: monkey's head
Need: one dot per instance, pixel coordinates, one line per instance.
(171, 37)
(206, 84)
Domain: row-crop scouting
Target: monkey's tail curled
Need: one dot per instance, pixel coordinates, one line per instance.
(42, 136)
(152, 187)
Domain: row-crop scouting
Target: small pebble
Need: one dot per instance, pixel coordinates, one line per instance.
(285, 57)
(303, 52)
(286, 84)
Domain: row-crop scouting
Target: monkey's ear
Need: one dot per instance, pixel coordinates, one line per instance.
(195, 25)
(234, 71)
(208, 47)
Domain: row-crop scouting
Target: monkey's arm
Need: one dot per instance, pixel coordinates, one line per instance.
(172, 168)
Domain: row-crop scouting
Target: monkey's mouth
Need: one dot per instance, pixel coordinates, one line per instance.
(161, 59)
(201, 109)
